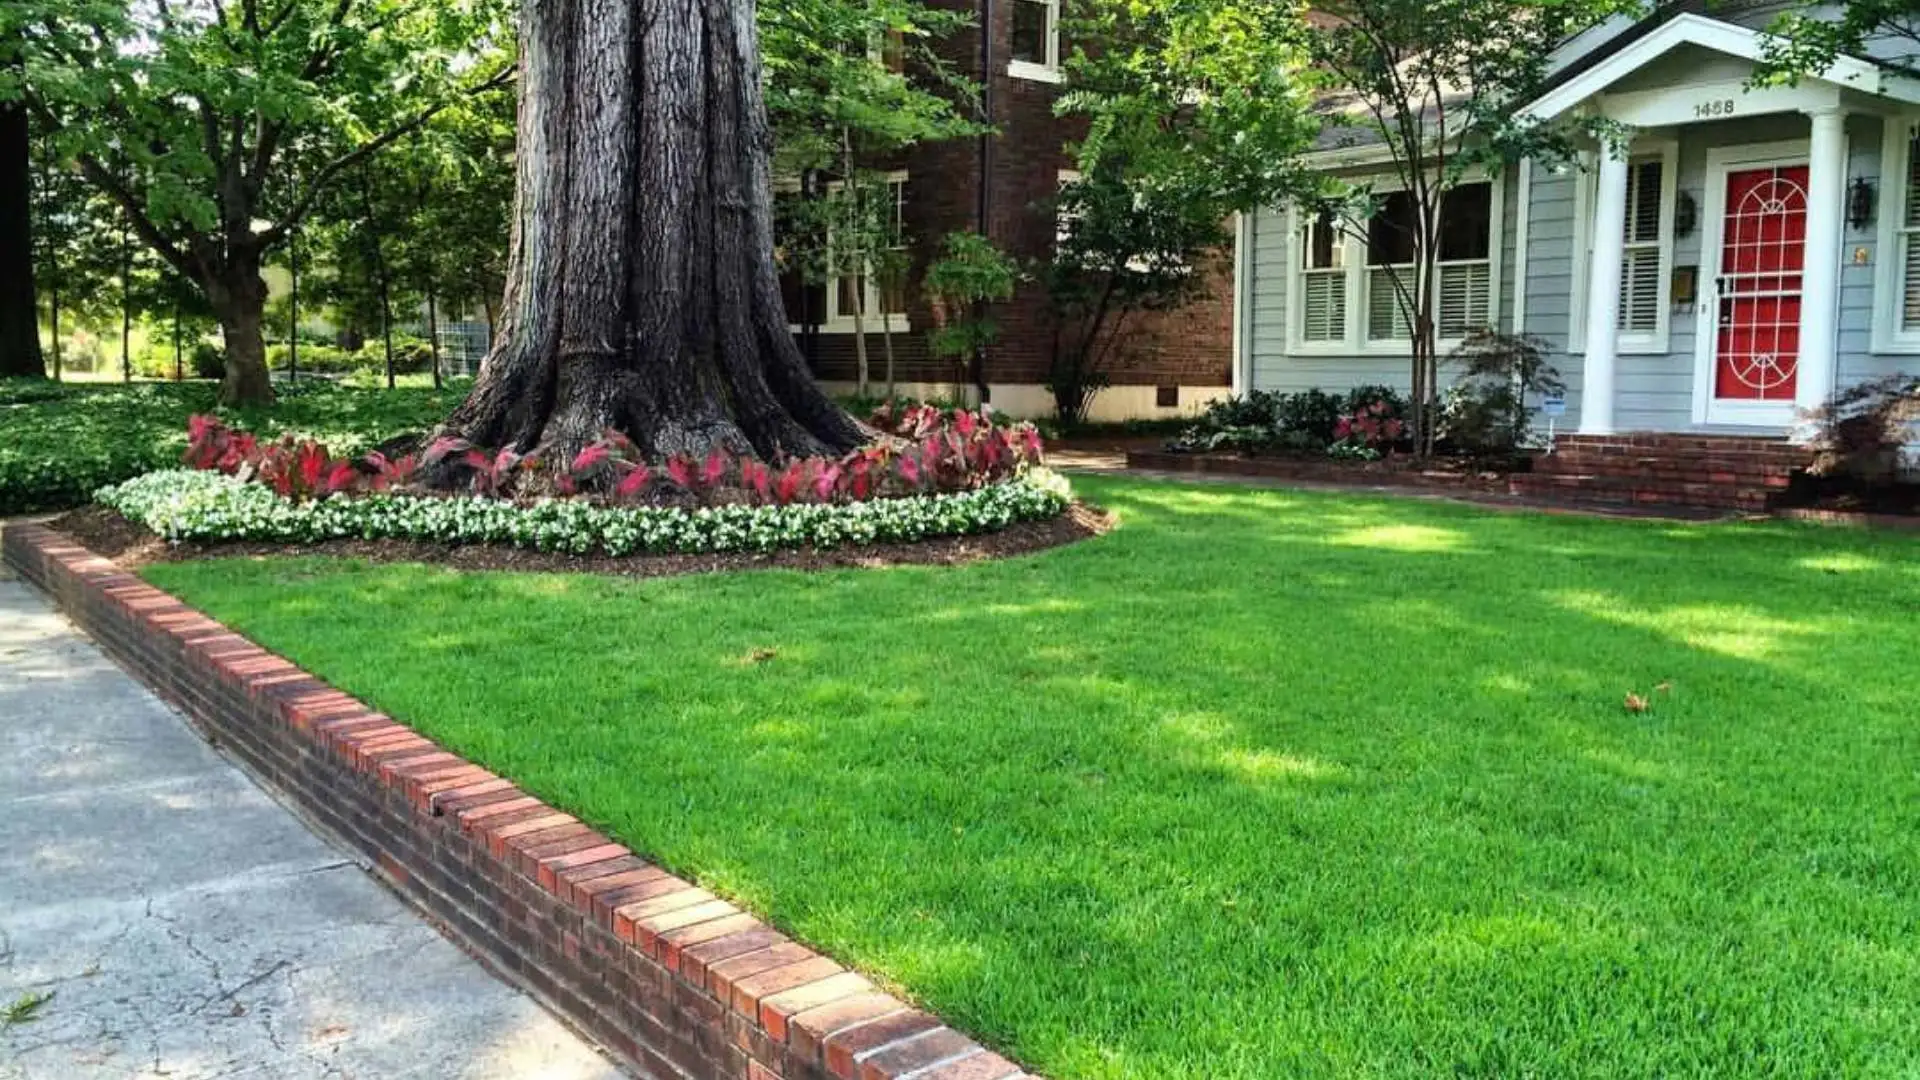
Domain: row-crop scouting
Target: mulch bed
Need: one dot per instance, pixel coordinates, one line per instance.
(106, 533)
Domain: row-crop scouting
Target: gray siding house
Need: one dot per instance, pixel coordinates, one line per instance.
(1753, 249)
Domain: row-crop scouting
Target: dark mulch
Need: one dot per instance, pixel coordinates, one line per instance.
(107, 533)
(1398, 470)
(1846, 494)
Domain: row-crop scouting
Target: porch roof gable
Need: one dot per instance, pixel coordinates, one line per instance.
(1688, 28)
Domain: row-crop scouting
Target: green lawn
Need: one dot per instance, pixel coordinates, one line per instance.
(1263, 784)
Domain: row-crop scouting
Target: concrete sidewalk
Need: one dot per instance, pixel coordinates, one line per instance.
(188, 926)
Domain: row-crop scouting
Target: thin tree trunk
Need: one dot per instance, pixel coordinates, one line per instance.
(126, 308)
(19, 311)
(886, 341)
(860, 269)
(641, 291)
(379, 269)
(433, 332)
(53, 311)
(293, 307)
(179, 365)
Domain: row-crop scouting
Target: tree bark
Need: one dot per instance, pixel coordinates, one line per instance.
(433, 332)
(641, 291)
(239, 300)
(19, 311)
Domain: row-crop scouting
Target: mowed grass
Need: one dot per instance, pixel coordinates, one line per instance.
(1263, 784)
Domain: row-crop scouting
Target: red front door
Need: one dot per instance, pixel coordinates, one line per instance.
(1762, 250)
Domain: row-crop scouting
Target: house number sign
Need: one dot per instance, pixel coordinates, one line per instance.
(1714, 107)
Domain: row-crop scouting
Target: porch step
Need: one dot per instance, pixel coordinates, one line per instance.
(1706, 471)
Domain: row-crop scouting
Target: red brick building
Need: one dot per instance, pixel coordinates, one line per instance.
(1002, 186)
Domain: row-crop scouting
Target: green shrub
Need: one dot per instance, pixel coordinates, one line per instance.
(63, 441)
(1486, 411)
(1260, 420)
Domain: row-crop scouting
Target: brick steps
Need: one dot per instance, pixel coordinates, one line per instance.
(1704, 471)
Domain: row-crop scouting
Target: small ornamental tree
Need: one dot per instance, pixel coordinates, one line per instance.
(1436, 84)
(1194, 112)
(969, 275)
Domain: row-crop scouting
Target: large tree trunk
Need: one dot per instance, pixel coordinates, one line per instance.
(240, 303)
(19, 311)
(641, 292)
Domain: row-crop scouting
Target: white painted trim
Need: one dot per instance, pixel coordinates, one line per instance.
(1354, 342)
(1887, 337)
(1047, 71)
(1710, 102)
(1522, 234)
(1242, 299)
(1656, 342)
(1023, 69)
(1692, 29)
(1707, 319)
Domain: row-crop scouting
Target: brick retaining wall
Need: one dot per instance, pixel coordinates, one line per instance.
(674, 980)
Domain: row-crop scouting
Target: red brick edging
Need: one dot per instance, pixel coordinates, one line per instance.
(676, 981)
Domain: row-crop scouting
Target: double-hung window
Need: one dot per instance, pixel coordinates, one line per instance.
(1362, 292)
(1896, 322)
(1035, 46)
(876, 294)
(852, 289)
(1323, 281)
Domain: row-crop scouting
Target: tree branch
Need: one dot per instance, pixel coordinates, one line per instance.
(332, 170)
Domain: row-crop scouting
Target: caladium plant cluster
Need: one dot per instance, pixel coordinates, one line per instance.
(293, 468)
(923, 450)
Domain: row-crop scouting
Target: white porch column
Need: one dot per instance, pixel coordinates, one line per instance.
(1603, 293)
(1820, 270)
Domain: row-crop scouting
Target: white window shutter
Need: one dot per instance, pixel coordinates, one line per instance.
(1640, 290)
(1385, 320)
(1465, 292)
(1323, 300)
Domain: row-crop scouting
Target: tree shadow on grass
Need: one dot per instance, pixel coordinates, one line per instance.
(1263, 783)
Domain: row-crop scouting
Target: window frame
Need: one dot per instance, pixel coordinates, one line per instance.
(1355, 342)
(1047, 71)
(1889, 280)
(1585, 194)
(832, 321)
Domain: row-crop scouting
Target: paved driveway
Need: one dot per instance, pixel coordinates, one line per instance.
(188, 926)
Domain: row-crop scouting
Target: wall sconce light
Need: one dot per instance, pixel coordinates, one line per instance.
(1685, 214)
(1860, 202)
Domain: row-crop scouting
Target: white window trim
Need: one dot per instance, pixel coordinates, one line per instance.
(1630, 343)
(1049, 71)
(1355, 341)
(832, 322)
(1887, 338)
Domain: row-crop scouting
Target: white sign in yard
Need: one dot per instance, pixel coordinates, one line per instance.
(1554, 405)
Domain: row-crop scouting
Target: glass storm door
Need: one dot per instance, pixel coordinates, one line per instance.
(1757, 293)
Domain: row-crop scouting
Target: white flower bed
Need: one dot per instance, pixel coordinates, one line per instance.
(197, 505)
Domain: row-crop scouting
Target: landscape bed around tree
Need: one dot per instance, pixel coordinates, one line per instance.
(930, 475)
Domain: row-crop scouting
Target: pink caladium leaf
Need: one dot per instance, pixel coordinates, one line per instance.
(680, 471)
(714, 468)
(909, 468)
(341, 476)
(593, 454)
(444, 446)
(633, 482)
(789, 483)
(965, 422)
(826, 481)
